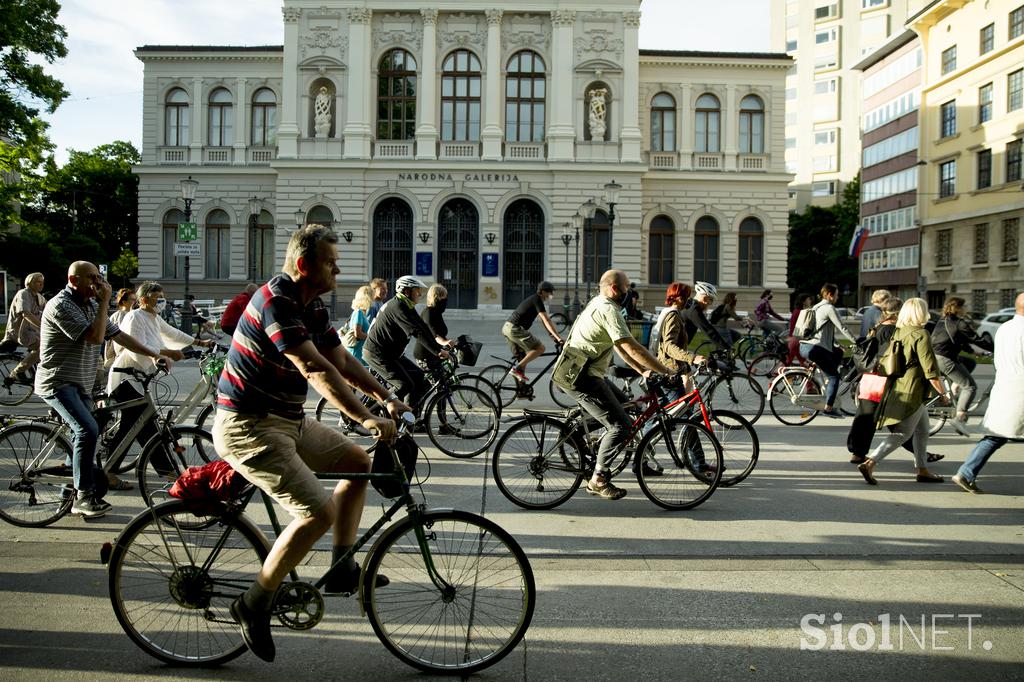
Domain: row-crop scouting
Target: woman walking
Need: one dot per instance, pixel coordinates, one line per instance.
(821, 349)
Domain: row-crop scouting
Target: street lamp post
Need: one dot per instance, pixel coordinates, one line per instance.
(611, 197)
(566, 240)
(188, 194)
(588, 209)
(577, 221)
(255, 206)
(300, 218)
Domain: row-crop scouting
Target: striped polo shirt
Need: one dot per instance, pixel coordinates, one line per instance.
(65, 357)
(257, 377)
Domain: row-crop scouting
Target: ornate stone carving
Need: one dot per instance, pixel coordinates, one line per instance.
(597, 112)
(396, 29)
(323, 41)
(563, 17)
(631, 19)
(462, 30)
(429, 16)
(291, 14)
(526, 32)
(322, 113)
(494, 16)
(597, 42)
(359, 15)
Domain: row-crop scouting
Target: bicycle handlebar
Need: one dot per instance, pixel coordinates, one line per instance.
(405, 424)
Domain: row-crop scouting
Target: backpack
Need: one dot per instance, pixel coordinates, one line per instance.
(717, 314)
(892, 363)
(804, 327)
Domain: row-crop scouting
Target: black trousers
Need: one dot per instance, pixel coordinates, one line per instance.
(862, 431)
(406, 379)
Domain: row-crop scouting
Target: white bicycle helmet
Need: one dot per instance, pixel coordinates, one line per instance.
(705, 289)
(409, 282)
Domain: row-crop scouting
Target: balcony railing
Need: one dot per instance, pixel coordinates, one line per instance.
(753, 162)
(172, 155)
(217, 155)
(524, 151)
(707, 162)
(261, 155)
(391, 149)
(469, 151)
(664, 160)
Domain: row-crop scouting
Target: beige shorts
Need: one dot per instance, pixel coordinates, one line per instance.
(279, 456)
(519, 337)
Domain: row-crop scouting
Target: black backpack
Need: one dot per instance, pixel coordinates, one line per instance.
(717, 314)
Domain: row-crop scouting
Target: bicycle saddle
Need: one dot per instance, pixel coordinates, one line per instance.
(623, 372)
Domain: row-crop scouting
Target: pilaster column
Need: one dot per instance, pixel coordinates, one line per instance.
(561, 133)
(357, 129)
(288, 126)
(198, 123)
(241, 130)
(491, 135)
(630, 136)
(729, 125)
(684, 124)
(426, 107)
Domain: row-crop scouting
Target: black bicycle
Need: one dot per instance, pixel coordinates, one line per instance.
(13, 391)
(510, 389)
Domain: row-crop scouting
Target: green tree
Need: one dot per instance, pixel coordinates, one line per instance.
(125, 266)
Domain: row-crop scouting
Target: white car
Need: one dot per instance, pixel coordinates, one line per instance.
(988, 326)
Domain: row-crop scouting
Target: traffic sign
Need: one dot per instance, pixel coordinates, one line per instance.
(187, 232)
(186, 248)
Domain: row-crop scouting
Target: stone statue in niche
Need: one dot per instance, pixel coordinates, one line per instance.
(598, 111)
(322, 113)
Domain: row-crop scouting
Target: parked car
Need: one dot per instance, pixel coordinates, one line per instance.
(988, 326)
(848, 317)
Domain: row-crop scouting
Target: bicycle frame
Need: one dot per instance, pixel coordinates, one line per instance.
(510, 363)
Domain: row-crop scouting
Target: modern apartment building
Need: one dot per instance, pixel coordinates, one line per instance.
(823, 96)
(891, 94)
(971, 196)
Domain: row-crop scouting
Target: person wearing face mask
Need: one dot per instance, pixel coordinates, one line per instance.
(695, 315)
(516, 329)
(433, 317)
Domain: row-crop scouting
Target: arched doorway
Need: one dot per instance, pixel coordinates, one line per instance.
(523, 256)
(458, 227)
(392, 240)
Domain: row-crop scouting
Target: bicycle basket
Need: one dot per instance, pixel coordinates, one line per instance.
(469, 350)
(212, 366)
(384, 463)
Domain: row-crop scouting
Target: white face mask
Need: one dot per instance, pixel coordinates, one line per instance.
(160, 305)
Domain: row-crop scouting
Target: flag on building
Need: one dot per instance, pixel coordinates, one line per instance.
(860, 235)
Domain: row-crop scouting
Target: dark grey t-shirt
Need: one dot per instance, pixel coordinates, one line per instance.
(65, 357)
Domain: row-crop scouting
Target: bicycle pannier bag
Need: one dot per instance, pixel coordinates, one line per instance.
(383, 463)
(569, 366)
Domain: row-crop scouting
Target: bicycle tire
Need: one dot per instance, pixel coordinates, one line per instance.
(750, 347)
(474, 626)
(353, 430)
(936, 420)
(205, 419)
(559, 321)
(477, 381)
(740, 445)
(766, 364)
(785, 388)
(12, 393)
(679, 485)
(164, 389)
(561, 398)
(503, 382)
(741, 394)
(161, 463)
(188, 621)
(462, 421)
(522, 463)
(32, 501)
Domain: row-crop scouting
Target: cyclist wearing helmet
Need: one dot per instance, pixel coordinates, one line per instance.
(517, 329)
(695, 318)
(389, 334)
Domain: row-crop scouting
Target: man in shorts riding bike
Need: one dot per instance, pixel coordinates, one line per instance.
(284, 341)
(516, 329)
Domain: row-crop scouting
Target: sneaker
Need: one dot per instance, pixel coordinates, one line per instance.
(649, 471)
(833, 414)
(348, 583)
(89, 507)
(255, 630)
(518, 375)
(653, 465)
(603, 487)
(967, 486)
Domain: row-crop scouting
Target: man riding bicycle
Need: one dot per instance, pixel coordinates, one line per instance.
(389, 334)
(694, 315)
(953, 335)
(516, 329)
(284, 341)
(580, 370)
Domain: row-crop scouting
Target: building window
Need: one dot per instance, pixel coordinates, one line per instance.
(823, 189)
(984, 168)
(173, 266)
(988, 39)
(663, 123)
(261, 248)
(751, 125)
(525, 90)
(661, 252)
(264, 118)
(396, 96)
(1011, 240)
(705, 250)
(176, 119)
(790, 46)
(393, 237)
(221, 119)
(979, 301)
(708, 116)
(1007, 297)
(1015, 90)
(948, 115)
(947, 178)
(871, 4)
(948, 60)
(985, 103)
(1013, 161)
(826, 11)
(1017, 22)
(218, 245)
(826, 36)
(320, 215)
(751, 261)
(943, 249)
(460, 97)
(980, 243)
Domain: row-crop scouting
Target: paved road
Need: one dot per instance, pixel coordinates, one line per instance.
(626, 589)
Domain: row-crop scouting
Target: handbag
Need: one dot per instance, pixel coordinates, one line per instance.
(892, 363)
(872, 387)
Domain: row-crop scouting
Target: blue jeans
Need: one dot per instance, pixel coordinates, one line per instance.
(828, 363)
(970, 469)
(73, 406)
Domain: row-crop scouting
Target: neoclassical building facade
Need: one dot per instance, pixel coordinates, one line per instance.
(457, 142)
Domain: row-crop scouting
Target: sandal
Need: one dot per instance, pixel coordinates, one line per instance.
(935, 457)
(866, 472)
(858, 460)
(929, 478)
(121, 484)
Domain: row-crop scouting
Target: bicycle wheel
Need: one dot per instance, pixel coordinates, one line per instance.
(205, 419)
(937, 419)
(750, 347)
(161, 462)
(789, 396)
(503, 382)
(560, 321)
(766, 364)
(172, 581)
(679, 447)
(478, 382)
(12, 392)
(164, 390)
(846, 398)
(477, 615)
(739, 393)
(36, 497)
(534, 466)
(561, 398)
(740, 445)
(353, 430)
(462, 421)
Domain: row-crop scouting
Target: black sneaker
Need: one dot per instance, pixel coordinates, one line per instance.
(348, 583)
(89, 507)
(255, 630)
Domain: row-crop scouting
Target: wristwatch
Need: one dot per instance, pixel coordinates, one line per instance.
(392, 398)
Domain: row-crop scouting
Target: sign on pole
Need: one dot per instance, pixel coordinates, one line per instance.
(187, 232)
(186, 249)
(103, 270)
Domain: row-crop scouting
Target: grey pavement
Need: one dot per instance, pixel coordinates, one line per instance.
(626, 589)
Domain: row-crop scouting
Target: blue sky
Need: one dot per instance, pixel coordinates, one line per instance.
(105, 79)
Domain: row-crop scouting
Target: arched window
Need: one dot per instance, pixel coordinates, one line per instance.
(392, 239)
(708, 123)
(661, 251)
(173, 266)
(396, 96)
(525, 89)
(261, 248)
(221, 119)
(597, 247)
(751, 125)
(218, 245)
(522, 251)
(176, 118)
(319, 215)
(705, 250)
(663, 123)
(264, 118)
(751, 261)
(590, 111)
(460, 97)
